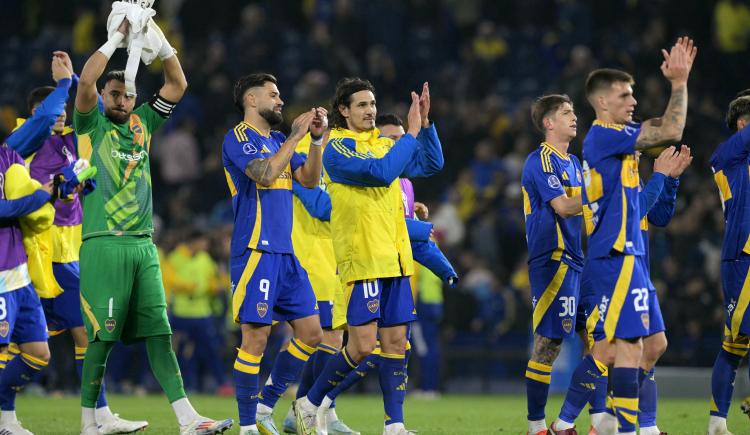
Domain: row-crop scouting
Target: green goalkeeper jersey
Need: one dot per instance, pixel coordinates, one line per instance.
(121, 204)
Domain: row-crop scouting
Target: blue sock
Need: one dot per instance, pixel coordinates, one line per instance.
(324, 354)
(722, 381)
(647, 398)
(286, 370)
(17, 373)
(598, 400)
(538, 377)
(306, 379)
(246, 384)
(625, 397)
(369, 364)
(334, 372)
(393, 385)
(582, 386)
(101, 402)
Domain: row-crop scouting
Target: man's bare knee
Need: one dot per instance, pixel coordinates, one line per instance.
(254, 339)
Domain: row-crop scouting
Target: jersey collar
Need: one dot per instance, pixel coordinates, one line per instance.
(365, 136)
(252, 127)
(555, 151)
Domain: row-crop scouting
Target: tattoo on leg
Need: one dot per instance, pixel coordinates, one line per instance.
(545, 349)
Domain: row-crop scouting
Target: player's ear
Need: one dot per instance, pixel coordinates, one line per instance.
(344, 110)
(547, 123)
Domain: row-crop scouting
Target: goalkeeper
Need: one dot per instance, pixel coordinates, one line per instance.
(122, 295)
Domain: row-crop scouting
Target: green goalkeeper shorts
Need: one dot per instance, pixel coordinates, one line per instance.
(122, 294)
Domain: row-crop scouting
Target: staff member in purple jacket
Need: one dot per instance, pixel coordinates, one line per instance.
(48, 145)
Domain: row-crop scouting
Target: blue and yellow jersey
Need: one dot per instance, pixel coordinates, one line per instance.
(262, 215)
(548, 174)
(657, 200)
(610, 173)
(731, 166)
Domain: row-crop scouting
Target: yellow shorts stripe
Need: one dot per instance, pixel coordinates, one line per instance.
(618, 297)
(240, 290)
(540, 378)
(90, 315)
(742, 303)
(549, 295)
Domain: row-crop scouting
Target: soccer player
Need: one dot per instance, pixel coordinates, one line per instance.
(122, 294)
(370, 240)
(311, 239)
(551, 184)
(729, 164)
(268, 282)
(611, 193)
(49, 145)
(21, 315)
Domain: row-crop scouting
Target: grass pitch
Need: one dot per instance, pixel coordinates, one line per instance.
(453, 414)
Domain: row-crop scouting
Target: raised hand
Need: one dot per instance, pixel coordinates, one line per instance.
(301, 125)
(424, 104)
(421, 210)
(679, 61)
(59, 70)
(683, 161)
(667, 161)
(63, 56)
(415, 115)
(319, 122)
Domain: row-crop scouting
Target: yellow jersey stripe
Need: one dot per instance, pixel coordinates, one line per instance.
(549, 295)
(618, 127)
(230, 183)
(255, 236)
(618, 297)
(554, 151)
(620, 241)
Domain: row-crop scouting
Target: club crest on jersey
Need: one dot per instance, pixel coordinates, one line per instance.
(4, 328)
(373, 305)
(567, 325)
(262, 309)
(110, 325)
(553, 181)
(645, 320)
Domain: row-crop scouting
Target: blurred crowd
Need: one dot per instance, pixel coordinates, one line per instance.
(486, 60)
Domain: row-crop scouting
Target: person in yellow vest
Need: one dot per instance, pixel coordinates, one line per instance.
(371, 243)
(195, 334)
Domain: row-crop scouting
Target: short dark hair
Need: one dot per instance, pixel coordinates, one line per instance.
(603, 78)
(118, 75)
(738, 108)
(247, 82)
(546, 105)
(38, 95)
(345, 88)
(389, 119)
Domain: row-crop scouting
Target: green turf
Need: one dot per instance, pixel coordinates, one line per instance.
(448, 415)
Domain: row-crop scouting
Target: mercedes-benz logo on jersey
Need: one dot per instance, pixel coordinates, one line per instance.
(249, 148)
(553, 181)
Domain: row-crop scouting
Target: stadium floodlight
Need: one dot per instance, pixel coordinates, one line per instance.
(145, 4)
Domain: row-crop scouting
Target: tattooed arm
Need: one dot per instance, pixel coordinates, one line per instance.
(266, 171)
(676, 68)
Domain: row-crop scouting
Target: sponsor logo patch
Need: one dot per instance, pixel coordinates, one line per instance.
(645, 320)
(4, 328)
(262, 309)
(553, 181)
(249, 148)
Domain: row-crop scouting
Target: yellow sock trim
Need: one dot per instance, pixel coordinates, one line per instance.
(601, 366)
(295, 349)
(247, 363)
(392, 355)
(327, 349)
(348, 359)
(33, 362)
(546, 379)
(539, 366)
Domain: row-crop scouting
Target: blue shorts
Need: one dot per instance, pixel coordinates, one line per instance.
(21, 317)
(64, 311)
(587, 317)
(622, 289)
(387, 300)
(736, 286)
(270, 287)
(326, 314)
(554, 292)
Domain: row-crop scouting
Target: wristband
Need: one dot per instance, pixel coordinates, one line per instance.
(110, 46)
(316, 141)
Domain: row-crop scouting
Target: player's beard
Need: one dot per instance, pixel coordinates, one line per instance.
(117, 117)
(272, 118)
